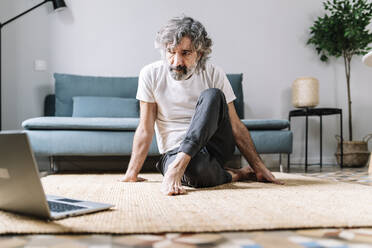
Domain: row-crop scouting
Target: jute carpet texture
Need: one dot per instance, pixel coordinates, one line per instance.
(303, 202)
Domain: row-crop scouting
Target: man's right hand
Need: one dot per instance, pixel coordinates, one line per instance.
(131, 178)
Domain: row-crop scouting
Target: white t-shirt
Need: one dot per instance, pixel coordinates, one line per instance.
(176, 100)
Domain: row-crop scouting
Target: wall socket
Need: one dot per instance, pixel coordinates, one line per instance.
(40, 65)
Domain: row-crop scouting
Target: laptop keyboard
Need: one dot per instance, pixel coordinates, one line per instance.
(62, 207)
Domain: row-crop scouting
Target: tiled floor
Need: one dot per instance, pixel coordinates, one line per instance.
(340, 238)
(335, 238)
(346, 175)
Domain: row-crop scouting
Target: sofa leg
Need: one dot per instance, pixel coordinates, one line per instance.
(53, 167)
(288, 163)
(280, 163)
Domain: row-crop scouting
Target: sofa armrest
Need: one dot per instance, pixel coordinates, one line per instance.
(81, 123)
(268, 124)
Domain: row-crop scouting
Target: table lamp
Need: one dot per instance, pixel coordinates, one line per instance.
(305, 92)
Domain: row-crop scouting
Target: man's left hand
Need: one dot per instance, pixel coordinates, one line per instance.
(264, 175)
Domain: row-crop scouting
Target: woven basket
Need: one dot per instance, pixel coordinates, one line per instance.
(355, 153)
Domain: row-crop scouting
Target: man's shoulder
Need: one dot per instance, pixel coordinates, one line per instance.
(155, 67)
(212, 67)
(213, 71)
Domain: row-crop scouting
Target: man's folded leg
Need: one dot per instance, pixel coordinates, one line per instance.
(209, 142)
(203, 169)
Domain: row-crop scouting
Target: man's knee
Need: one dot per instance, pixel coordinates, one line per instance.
(212, 95)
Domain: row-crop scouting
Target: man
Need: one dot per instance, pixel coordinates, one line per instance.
(189, 104)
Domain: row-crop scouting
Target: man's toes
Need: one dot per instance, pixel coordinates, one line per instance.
(251, 176)
(176, 190)
(247, 169)
(170, 191)
(180, 189)
(248, 175)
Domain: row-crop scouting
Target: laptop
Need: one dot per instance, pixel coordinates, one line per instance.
(21, 190)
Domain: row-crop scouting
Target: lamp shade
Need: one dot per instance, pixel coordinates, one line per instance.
(367, 59)
(58, 4)
(305, 92)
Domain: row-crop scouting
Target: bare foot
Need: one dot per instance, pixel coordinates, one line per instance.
(129, 178)
(171, 184)
(245, 173)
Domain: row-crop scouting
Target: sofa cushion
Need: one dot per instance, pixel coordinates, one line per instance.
(265, 124)
(81, 123)
(98, 106)
(67, 86)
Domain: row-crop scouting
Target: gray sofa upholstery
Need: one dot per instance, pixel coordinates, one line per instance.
(64, 132)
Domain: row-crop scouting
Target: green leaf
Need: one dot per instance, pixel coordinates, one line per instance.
(342, 29)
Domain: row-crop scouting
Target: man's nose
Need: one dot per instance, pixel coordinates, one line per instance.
(178, 60)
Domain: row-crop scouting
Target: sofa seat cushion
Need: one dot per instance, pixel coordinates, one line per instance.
(123, 124)
(265, 124)
(81, 123)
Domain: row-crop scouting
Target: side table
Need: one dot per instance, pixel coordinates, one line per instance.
(316, 112)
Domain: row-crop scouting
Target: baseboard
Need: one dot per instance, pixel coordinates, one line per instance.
(272, 161)
(313, 160)
(94, 163)
(106, 163)
(120, 163)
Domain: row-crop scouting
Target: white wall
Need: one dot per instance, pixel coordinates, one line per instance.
(264, 39)
(23, 41)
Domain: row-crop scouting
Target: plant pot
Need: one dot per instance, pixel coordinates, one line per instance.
(355, 153)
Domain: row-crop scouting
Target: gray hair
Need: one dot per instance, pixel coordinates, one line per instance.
(184, 26)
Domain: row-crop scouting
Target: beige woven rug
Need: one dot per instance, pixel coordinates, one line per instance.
(303, 202)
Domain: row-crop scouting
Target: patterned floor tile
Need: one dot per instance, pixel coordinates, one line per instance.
(169, 240)
(350, 235)
(274, 240)
(356, 175)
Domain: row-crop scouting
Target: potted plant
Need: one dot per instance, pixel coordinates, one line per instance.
(342, 32)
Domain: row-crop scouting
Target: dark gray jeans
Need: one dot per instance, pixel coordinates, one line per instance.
(209, 141)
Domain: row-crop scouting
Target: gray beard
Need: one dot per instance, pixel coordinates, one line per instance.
(180, 75)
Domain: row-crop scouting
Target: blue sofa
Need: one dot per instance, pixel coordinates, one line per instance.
(97, 116)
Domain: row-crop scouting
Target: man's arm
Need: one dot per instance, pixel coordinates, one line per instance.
(141, 142)
(245, 144)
